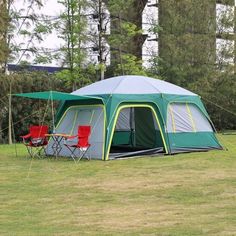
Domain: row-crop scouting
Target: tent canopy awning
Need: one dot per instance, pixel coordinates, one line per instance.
(54, 95)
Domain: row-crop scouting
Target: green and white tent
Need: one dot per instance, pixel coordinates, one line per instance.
(136, 115)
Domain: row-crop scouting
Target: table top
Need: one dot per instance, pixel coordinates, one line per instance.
(58, 135)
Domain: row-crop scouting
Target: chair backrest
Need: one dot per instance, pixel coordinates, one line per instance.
(38, 131)
(84, 132)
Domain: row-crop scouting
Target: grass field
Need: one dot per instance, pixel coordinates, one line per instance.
(185, 194)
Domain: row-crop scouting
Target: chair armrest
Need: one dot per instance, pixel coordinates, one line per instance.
(71, 137)
(26, 136)
(68, 138)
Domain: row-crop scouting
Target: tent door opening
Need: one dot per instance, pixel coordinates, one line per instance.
(136, 133)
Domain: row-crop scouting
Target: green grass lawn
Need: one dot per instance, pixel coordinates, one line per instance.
(185, 194)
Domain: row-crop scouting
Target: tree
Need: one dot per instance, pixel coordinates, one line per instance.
(22, 25)
(186, 33)
(187, 40)
(126, 34)
(225, 36)
(99, 21)
(4, 49)
(30, 27)
(72, 29)
(131, 66)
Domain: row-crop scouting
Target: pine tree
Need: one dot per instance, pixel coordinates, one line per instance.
(187, 39)
(187, 34)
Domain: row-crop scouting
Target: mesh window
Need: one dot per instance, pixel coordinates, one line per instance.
(186, 117)
(201, 122)
(123, 121)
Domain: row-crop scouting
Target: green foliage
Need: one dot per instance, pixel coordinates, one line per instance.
(79, 77)
(25, 111)
(124, 39)
(131, 66)
(187, 55)
(29, 24)
(72, 29)
(219, 95)
(187, 40)
(117, 7)
(130, 29)
(4, 48)
(122, 35)
(225, 20)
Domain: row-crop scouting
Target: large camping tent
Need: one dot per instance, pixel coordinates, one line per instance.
(135, 115)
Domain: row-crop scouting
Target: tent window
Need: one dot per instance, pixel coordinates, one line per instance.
(186, 117)
(201, 122)
(123, 122)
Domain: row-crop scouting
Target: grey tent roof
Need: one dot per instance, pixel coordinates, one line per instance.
(132, 84)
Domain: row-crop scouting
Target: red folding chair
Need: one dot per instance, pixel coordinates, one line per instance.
(82, 142)
(36, 141)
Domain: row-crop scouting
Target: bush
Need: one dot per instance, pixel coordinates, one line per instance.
(26, 111)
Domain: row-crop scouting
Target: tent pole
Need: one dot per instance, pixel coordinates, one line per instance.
(132, 127)
(53, 120)
(10, 117)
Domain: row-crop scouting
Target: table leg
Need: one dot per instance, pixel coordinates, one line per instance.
(56, 146)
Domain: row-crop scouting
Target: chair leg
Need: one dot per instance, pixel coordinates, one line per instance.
(83, 154)
(40, 151)
(72, 155)
(44, 150)
(29, 150)
(35, 151)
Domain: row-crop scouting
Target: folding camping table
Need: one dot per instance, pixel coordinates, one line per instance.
(57, 142)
